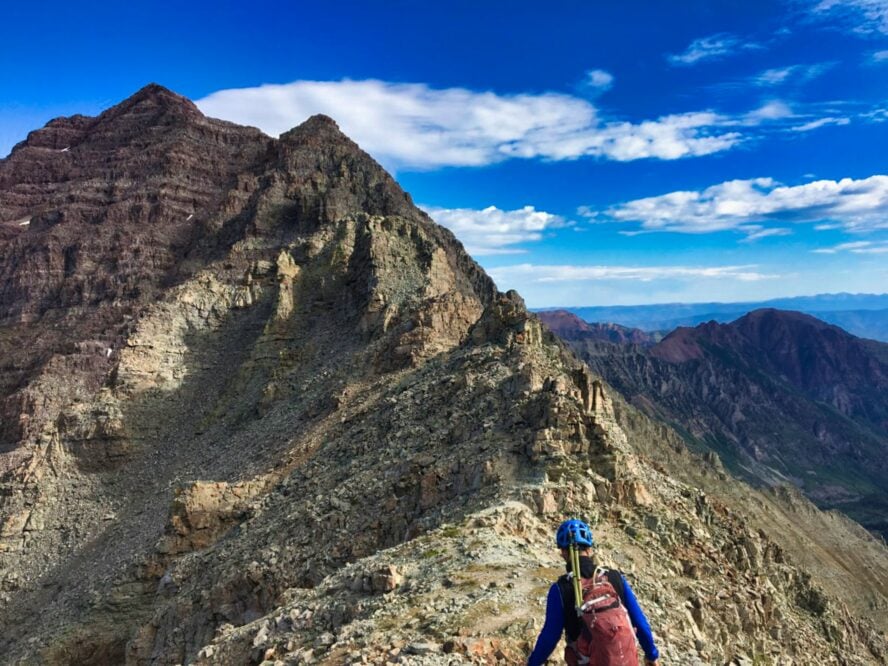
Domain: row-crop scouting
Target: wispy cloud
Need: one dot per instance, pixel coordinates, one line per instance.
(713, 47)
(879, 56)
(858, 205)
(864, 16)
(770, 111)
(598, 81)
(856, 247)
(876, 115)
(493, 231)
(571, 273)
(777, 116)
(798, 74)
(820, 122)
(413, 125)
(772, 77)
(836, 112)
(755, 232)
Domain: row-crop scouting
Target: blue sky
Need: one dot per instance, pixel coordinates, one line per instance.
(585, 154)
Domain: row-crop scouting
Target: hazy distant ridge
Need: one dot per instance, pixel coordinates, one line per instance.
(863, 315)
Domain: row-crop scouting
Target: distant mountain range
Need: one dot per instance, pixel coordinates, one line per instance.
(777, 395)
(864, 315)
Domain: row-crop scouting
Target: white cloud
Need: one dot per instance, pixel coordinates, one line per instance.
(856, 247)
(534, 273)
(771, 77)
(712, 47)
(791, 73)
(867, 16)
(876, 115)
(668, 138)
(770, 111)
(858, 205)
(413, 125)
(491, 230)
(821, 122)
(879, 56)
(756, 231)
(598, 80)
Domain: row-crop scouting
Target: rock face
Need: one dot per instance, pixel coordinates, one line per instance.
(117, 209)
(823, 361)
(301, 425)
(780, 396)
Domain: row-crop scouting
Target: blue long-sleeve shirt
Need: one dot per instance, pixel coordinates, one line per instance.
(554, 626)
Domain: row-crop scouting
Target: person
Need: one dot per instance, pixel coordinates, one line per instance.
(561, 611)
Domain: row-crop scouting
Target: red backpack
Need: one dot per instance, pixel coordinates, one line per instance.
(606, 634)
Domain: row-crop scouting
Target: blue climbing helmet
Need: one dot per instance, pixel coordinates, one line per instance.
(574, 531)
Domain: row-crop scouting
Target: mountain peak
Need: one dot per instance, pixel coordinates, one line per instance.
(155, 91)
(773, 316)
(152, 105)
(151, 98)
(763, 329)
(318, 127)
(569, 326)
(560, 321)
(320, 120)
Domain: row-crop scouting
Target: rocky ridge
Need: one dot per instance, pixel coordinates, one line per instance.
(322, 436)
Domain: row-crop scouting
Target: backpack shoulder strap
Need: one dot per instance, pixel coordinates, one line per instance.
(615, 578)
(571, 622)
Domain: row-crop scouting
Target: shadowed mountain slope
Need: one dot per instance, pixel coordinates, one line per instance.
(778, 395)
(302, 425)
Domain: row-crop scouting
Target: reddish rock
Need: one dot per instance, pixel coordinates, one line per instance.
(568, 326)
